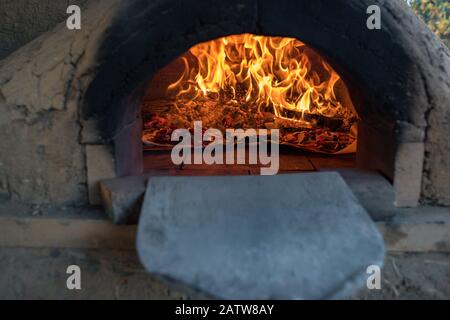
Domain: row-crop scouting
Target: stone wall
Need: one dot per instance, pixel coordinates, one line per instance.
(43, 157)
(23, 20)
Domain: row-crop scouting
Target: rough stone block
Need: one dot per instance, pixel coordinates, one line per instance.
(408, 174)
(292, 236)
(100, 166)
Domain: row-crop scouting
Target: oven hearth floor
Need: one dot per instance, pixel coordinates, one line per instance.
(160, 163)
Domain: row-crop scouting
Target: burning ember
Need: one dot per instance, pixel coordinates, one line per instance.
(247, 81)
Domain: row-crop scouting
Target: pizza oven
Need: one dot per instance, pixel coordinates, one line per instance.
(107, 101)
(241, 132)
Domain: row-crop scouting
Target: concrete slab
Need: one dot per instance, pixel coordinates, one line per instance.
(293, 236)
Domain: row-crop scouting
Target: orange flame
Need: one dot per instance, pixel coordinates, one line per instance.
(271, 71)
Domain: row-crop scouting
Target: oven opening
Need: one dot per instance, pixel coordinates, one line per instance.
(256, 84)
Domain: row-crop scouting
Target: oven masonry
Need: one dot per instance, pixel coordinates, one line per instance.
(157, 107)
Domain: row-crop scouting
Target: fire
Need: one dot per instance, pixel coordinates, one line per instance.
(254, 82)
(270, 72)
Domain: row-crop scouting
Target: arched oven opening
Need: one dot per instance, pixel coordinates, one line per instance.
(256, 84)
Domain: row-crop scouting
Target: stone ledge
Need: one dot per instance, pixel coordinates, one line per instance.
(122, 197)
(65, 233)
(417, 233)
